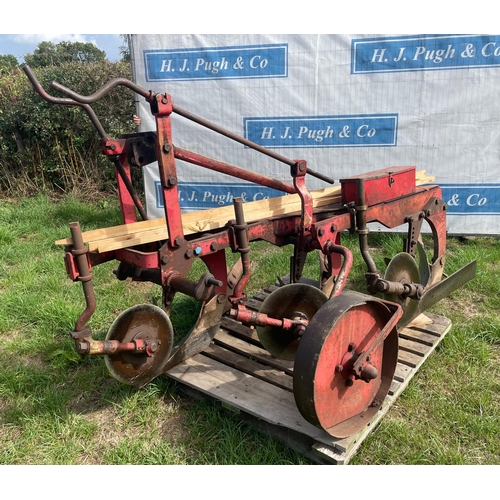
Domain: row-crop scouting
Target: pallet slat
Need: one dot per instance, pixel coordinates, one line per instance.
(246, 365)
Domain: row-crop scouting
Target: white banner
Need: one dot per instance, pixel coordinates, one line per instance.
(346, 104)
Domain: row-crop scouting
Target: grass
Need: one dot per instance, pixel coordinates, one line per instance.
(58, 408)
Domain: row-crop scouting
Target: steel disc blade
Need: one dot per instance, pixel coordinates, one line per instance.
(296, 299)
(423, 264)
(333, 399)
(144, 321)
(403, 269)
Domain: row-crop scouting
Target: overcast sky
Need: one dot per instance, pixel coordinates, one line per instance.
(19, 45)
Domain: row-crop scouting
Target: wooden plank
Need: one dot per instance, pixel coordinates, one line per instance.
(241, 331)
(138, 233)
(409, 359)
(247, 393)
(437, 319)
(412, 347)
(394, 387)
(418, 335)
(433, 329)
(402, 372)
(214, 218)
(236, 345)
(328, 453)
(306, 446)
(246, 365)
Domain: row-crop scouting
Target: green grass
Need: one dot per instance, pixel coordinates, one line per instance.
(59, 408)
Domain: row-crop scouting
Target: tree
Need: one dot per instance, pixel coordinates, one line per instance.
(51, 54)
(7, 62)
(57, 145)
(125, 48)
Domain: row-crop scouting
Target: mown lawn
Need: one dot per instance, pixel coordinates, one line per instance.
(58, 408)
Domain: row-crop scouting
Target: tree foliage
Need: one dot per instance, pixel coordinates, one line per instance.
(7, 62)
(125, 48)
(51, 54)
(54, 145)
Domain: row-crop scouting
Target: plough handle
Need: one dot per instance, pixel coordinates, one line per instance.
(149, 95)
(64, 101)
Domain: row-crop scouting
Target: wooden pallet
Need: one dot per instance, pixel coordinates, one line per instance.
(245, 378)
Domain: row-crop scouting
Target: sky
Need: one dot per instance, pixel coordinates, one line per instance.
(21, 44)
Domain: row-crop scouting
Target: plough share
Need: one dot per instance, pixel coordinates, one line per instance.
(344, 344)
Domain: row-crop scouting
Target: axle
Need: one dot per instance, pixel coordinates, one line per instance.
(296, 324)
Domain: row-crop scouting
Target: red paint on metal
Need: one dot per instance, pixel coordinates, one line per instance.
(380, 185)
(232, 170)
(127, 205)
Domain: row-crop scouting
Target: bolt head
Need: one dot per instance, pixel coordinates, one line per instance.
(153, 346)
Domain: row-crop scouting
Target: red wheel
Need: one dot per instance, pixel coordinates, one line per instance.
(328, 392)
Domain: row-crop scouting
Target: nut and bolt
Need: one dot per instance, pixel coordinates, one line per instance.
(167, 148)
(339, 368)
(153, 346)
(172, 181)
(349, 382)
(178, 241)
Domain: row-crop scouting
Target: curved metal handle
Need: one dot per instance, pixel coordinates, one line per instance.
(64, 101)
(104, 90)
(83, 101)
(97, 124)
